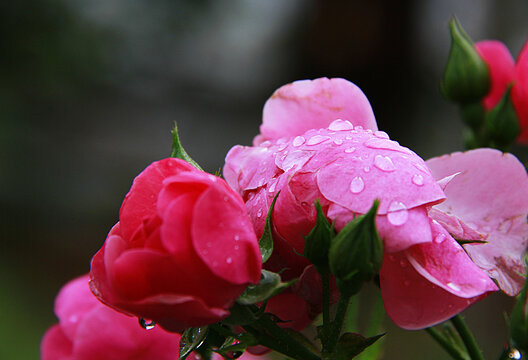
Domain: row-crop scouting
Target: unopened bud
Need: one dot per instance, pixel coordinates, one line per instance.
(317, 242)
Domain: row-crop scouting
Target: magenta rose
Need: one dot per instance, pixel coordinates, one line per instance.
(182, 251)
(504, 71)
(426, 276)
(89, 330)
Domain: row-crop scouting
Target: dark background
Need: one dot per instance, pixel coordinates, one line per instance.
(89, 91)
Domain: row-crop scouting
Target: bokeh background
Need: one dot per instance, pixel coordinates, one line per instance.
(89, 91)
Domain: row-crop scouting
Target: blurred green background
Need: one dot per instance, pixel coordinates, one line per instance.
(89, 91)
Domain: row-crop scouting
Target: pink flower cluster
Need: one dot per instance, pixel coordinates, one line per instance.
(319, 141)
(504, 71)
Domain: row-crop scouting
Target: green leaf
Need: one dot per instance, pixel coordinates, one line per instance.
(270, 285)
(178, 151)
(190, 340)
(266, 240)
(351, 345)
(317, 242)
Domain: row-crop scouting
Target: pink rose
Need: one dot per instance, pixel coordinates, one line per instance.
(426, 276)
(89, 330)
(182, 251)
(503, 72)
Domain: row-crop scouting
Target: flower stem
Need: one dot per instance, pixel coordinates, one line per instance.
(445, 344)
(325, 280)
(337, 325)
(467, 337)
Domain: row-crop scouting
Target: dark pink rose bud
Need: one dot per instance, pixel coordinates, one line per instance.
(182, 251)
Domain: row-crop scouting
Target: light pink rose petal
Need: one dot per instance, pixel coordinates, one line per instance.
(223, 236)
(501, 69)
(444, 263)
(490, 196)
(456, 227)
(413, 302)
(140, 202)
(73, 301)
(520, 92)
(106, 334)
(55, 345)
(312, 104)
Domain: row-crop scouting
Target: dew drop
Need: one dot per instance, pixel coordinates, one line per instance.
(384, 163)
(266, 143)
(359, 127)
(453, 286)
(514, 354)
(237, 237)
(439, 238)
(340, 125)
(417, 180)
(317, 139)
(272, 187)
(229, 260)
(259, 213)
(357, 185)
(298, 141)
(397, 213)
(338, 141)
(366, 169)
(381, 134)
(282, 147)
(146, 324)
(350, 150)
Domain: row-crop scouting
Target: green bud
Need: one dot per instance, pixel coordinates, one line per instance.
(466, 76)
(519, 321)
(356, 253)
(317, 242)
(502, 123)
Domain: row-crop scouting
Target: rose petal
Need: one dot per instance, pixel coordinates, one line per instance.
(312, 104)
(520, 92)
(496, 205)
(55, 345)
(501, 69)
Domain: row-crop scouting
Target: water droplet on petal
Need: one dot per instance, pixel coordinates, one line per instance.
(417, 180)
(317, 139)
(298, 141)
(384, 163)
(229, 260)
(357, 185)
(259, 213)
(397, 213)
(282, 147)
(338, 141)
(453, 286)
(366, 169)
(340, 125)
(272, 187)
(381, 134)
(514, 354)
(146, 324)
(350, 150)
(439, 238)
(237, 237)
(359, 127)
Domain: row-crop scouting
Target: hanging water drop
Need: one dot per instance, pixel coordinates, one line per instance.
(417, 180)
(146, 324)
(298, 141)
(340, 125)
(317, 139)
(357, 185)
(397, 213)
(384, 163)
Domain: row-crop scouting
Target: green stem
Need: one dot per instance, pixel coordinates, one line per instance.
(467, 337)
(325, 279)
(268, 341)
(286, 341)
(337, 325)
(445, 344)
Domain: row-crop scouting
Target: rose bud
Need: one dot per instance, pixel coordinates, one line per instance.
(182, 251)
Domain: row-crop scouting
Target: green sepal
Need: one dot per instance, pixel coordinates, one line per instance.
(466, 76)
(350, 345)
(231, 348)
(356, 253)
(502, 123)
(266, 240)
(317, 242)
(240, 315)
(464, 242)
(178, 151)
(191, 339)
(270, 285)
(519, 320)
